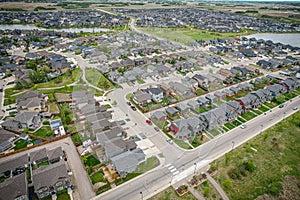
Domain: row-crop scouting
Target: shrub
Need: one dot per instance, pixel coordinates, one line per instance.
(46, 122)
(227, 183)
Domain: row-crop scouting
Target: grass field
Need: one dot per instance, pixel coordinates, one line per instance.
(94, 77)
(246, 174)
(186, 35)
(170, 193)
(208, 191)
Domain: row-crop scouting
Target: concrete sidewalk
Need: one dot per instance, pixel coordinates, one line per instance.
(217, 186)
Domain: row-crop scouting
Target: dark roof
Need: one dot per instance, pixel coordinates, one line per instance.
(38, 154)
(12, 164)
(14, 187)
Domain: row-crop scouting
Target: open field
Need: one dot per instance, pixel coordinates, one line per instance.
(264, 165)
(186, 35)
(95, 78)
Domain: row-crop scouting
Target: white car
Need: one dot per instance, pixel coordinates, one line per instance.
(170, 141)
(295, 108)
(243, 126)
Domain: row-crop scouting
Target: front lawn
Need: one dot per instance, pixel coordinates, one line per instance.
(44, 132)
(236, 123)
(97, 177)
(248, 115)
(214, 132)
(270, 105)
(267, 164)
(241, 119)
(63, 196)
(200, 91)
(147, 165)
(182, 144)
(258, 112)
(229, 126)
(196, 141)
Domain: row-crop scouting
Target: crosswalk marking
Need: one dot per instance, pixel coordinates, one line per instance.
(168, 165)
(172, 169)
(177, 172)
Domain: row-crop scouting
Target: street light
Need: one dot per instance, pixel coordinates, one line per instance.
(232, 145)
(195, 164)
(142, 195)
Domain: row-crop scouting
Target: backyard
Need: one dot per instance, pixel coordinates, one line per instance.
(44, 132)
(253, 168)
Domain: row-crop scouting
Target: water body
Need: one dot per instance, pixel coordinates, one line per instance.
(33, 27)
(285, 38)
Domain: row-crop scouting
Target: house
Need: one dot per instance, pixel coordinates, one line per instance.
(182, 107)
(190, 83)
(235, 90)
(141, 98)
(101, 125)
(6, 140)
(211, 98)
(57, 126)
(276, 89)
(15, 188)
(106, 136)
(159, 115)
(186, 128)
(167, 89)
(245, 102)
(31, 101)
(232, 110)
(181, 90)
(226, 73)
(203, 101)
(48, 180)
(26, 119)
(228, 92)
(128, 161)
(38, 156)
(213, 118)
(193, 104)
(156, 94)
(219, 95)
(14, 166)
(261, 98)
(55, 155)
(202, 81)
(172, 112)
(117, 146)
(291, 84)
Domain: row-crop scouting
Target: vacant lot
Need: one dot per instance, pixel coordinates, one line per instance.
(186, 35)
(265, 164)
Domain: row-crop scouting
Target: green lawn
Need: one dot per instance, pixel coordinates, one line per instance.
(248, 115)
(147, 165)
(195, 141)
(91, 160)
(170, 194)
(208, 190)
(186, 35)
(201, 110)
(236, 123)
(46, 163)
(247, 174)
(62, 80)
(182, 144)
(140, 81)
(200, 91)
(44, 132)
(270, 105)
(63, 196)
(241, 119)
(20, 144)
(215, 132)
(9, 97)
(97, 177)
(94, 77)
(263, 108)
(229, 125)
(258, 112)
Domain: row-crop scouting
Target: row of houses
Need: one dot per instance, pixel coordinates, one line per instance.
(119, 150)
(46, 180)
(185, 128)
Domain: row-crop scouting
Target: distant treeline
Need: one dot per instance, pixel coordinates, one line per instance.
(11, 9)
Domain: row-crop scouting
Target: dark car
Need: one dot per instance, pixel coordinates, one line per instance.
(156, 128)
(128, 103)
(133, 108)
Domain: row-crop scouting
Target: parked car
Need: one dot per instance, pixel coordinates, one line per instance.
(156, 128)
(128, 103)
(133, 108)
(282, 105)
(295, 108)
(148, 121)
(243, 126)
(170, 141)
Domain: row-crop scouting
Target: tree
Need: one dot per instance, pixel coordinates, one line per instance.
(280, 98)
(37, 77)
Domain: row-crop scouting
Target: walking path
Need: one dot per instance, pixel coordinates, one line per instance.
(195, 193)
(217, 186)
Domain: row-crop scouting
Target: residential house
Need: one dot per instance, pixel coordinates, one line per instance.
(106, 136)
(226, 73)
(141, 98)
(186, 128)
(31, 101)
(261, 97)
(213, 118)
(6, 140)
(245, 102)
(15, 188)
(181, 90)
(156, 94)
(228, 92)
(203, 101)
(232, 110)
(235, 90)
(190, 83)
(172, 112)
(13, 166)
(48, 180)
(159, 115)
(167, 89)
(202, 81)
(38, 156)
(128, 161)
(211, 98)
(219, 95)
(101, 125)
(117, 146)
(276, 89)
(55, 155)
(182, 108)
(26, 119)
(193, 104)
(291, 84)
(57, 126)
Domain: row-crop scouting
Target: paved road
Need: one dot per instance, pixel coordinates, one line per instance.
(160, 178)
